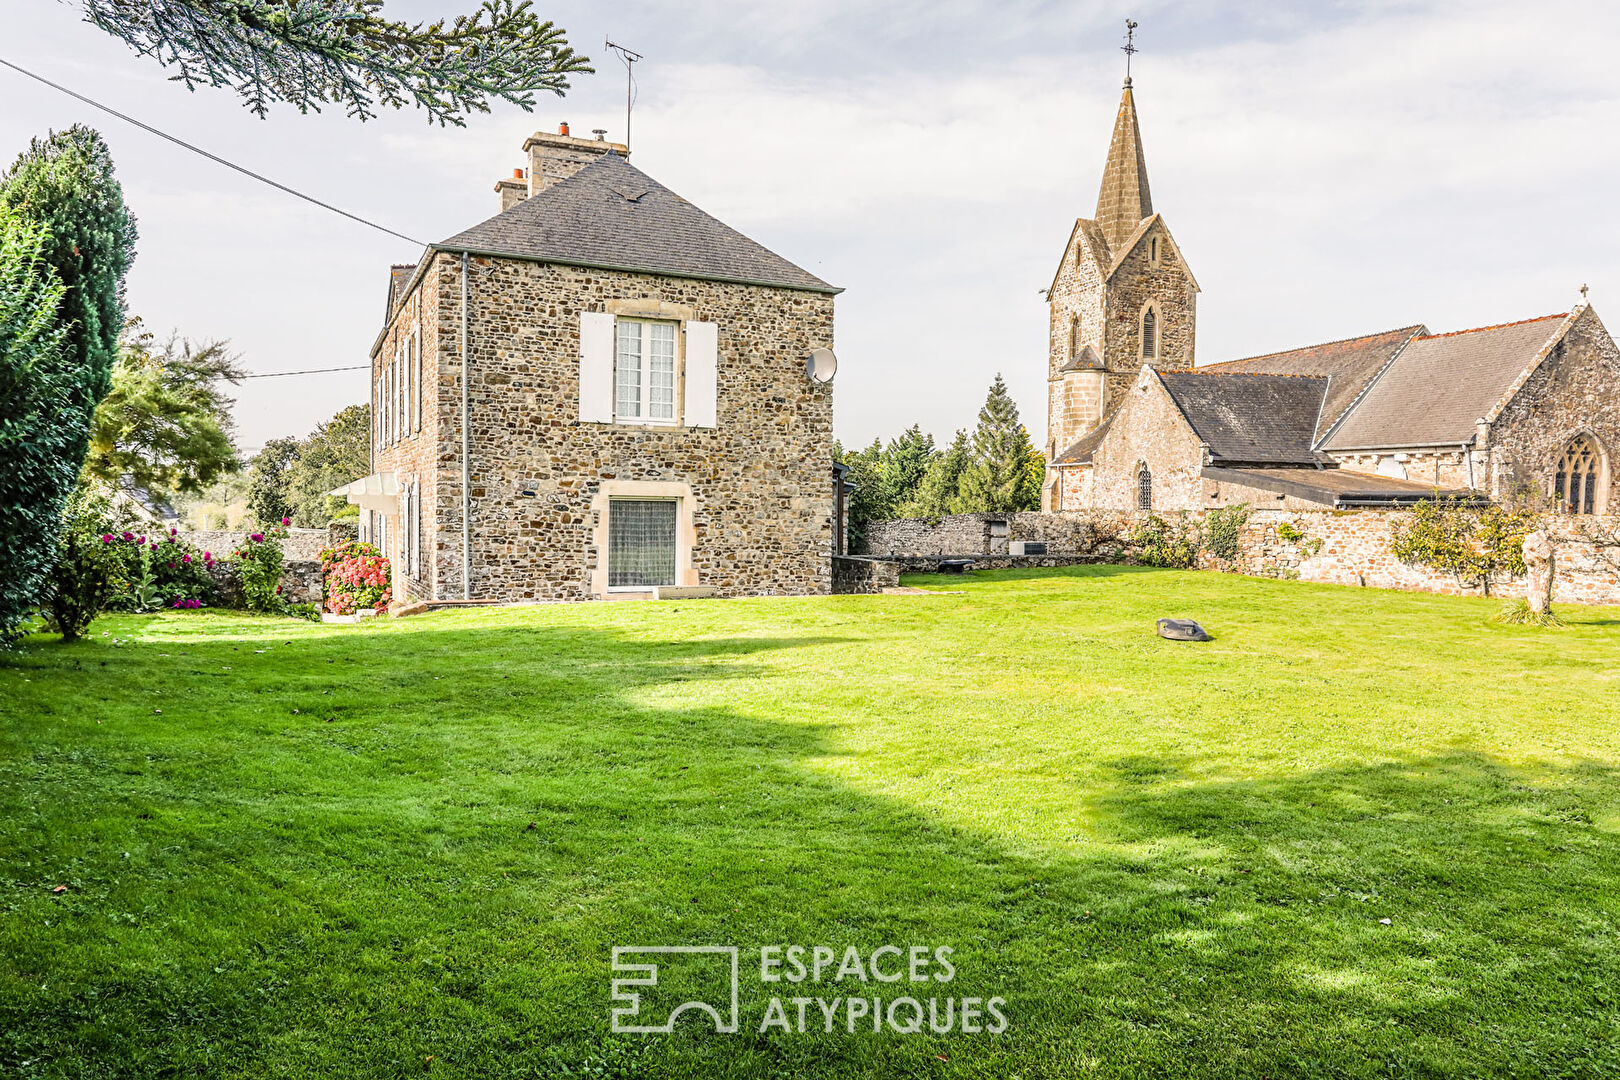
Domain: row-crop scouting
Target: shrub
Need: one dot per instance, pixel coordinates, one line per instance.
(354, 577)
(157, 574)
(260, 562)
(89, 564)
(1222, 528)
(1288, 533)
(1474, 546)
(1161, 543)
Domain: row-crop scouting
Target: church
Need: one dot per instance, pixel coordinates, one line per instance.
(1523, 410)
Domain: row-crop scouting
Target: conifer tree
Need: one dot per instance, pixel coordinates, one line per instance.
(344, 52)
(905, 460)
(996, 481)
(36, 470)
(937, 493)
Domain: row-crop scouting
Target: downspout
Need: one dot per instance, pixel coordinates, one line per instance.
(466, 472)
(1469, 456)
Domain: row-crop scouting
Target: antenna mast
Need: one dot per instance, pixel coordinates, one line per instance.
(629, 56)
(1129, 48)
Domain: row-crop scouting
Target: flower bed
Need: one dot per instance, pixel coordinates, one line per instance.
(355, 577)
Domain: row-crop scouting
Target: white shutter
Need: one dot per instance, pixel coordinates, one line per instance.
(596, 367)
(702, 373)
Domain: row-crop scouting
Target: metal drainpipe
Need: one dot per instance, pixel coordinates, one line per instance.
(466, 472)
(1469, 456)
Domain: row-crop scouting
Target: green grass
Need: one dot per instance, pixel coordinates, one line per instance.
(296, 850)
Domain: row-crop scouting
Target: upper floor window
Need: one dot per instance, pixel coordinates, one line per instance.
(1153, 250)
(1576, 487)
(1074, 337)
(1150, 332)
(644, 370)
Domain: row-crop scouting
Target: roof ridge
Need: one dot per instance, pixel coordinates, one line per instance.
(1242, 374)
(1317, 345)
(1497, 326)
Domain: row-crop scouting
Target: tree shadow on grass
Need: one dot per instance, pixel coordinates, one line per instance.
(437, 861)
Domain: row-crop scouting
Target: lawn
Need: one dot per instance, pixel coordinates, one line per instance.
(1359, 834)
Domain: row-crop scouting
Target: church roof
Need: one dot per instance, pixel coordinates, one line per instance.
(1350, 364)
(611, 215)
(1085, 448)
(1336, 487)
(1440, 385)
(1250, 419)
(1124, 199)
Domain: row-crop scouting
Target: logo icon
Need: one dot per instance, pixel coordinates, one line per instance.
(646, 975)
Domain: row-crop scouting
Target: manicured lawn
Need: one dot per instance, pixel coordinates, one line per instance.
(1360, 834)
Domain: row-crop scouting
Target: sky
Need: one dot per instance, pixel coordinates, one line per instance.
(1327, 169)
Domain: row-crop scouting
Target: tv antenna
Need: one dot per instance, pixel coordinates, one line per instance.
(629, 57)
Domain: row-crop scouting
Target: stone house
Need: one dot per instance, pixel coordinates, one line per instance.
(601, 391)
(1526, 408)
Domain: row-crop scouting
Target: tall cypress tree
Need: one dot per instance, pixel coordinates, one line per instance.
(35, 472)
(65, 182)
(997, 479)
(62, 195)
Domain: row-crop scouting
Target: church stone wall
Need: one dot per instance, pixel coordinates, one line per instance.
(1150, 430)
(1168, 284)
(1338, 547)
(1576, 389)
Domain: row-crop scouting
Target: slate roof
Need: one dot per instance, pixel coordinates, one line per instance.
(1351, 364)
(1083, 448)
(613, 216)
(1441, 384)
(1251, 419)
(1336, 487)
(399, 275)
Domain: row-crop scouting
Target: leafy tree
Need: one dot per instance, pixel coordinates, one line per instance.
(268, 499)
(89, 564)
(1475, 545)
(904, 462)
(308, 53)
(36, 466)
(997, 479)
(937, 492)
(866, 502)
(336, 452)
(65, 182)
(165, 428)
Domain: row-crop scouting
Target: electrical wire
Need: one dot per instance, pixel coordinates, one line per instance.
(204, 153)
(310, 371)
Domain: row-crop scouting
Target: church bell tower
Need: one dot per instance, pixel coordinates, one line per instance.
(1122, 296)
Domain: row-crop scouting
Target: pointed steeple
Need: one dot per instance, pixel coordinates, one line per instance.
(1124, 200)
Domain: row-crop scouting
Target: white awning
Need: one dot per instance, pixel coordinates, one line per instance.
(379, 491)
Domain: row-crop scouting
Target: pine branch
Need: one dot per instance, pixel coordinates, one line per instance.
(307, 53)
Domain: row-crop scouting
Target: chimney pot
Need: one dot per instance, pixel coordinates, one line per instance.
(562, 128)
(517, 174)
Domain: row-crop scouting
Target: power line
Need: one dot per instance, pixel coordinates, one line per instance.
(311, 371)
(204, 153)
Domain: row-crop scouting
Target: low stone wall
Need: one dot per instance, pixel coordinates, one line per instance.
(1341, 547)
(301, 545)
(853, 575)
(300, 582)
(301, 576)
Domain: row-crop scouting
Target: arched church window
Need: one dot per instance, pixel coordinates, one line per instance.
(1153, 251)
(1074, 336)
(1575, 483)
(1144, 488)
(1150, 332)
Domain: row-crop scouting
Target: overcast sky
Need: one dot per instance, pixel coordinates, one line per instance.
(1327, 170)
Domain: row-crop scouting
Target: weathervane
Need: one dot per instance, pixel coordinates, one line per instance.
(1129, 48)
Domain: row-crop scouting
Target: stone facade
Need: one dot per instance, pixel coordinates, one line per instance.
(755, 486)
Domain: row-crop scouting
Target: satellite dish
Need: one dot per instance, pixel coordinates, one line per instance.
(820, 366)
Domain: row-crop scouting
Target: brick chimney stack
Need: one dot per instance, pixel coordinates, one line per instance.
(557, 157)
(513, 189)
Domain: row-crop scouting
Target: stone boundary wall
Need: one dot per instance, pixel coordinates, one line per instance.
(301, 574)
(301, 545)
(855, 575)
(300, 582)
(1340, 547)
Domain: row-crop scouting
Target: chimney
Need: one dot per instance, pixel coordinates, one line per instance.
(512, 190)
(553, 158)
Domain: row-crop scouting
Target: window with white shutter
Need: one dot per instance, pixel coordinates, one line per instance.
(644, 371)
(702, 374)
(596, 367)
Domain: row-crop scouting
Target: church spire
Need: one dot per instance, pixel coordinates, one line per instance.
(1124, 200)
